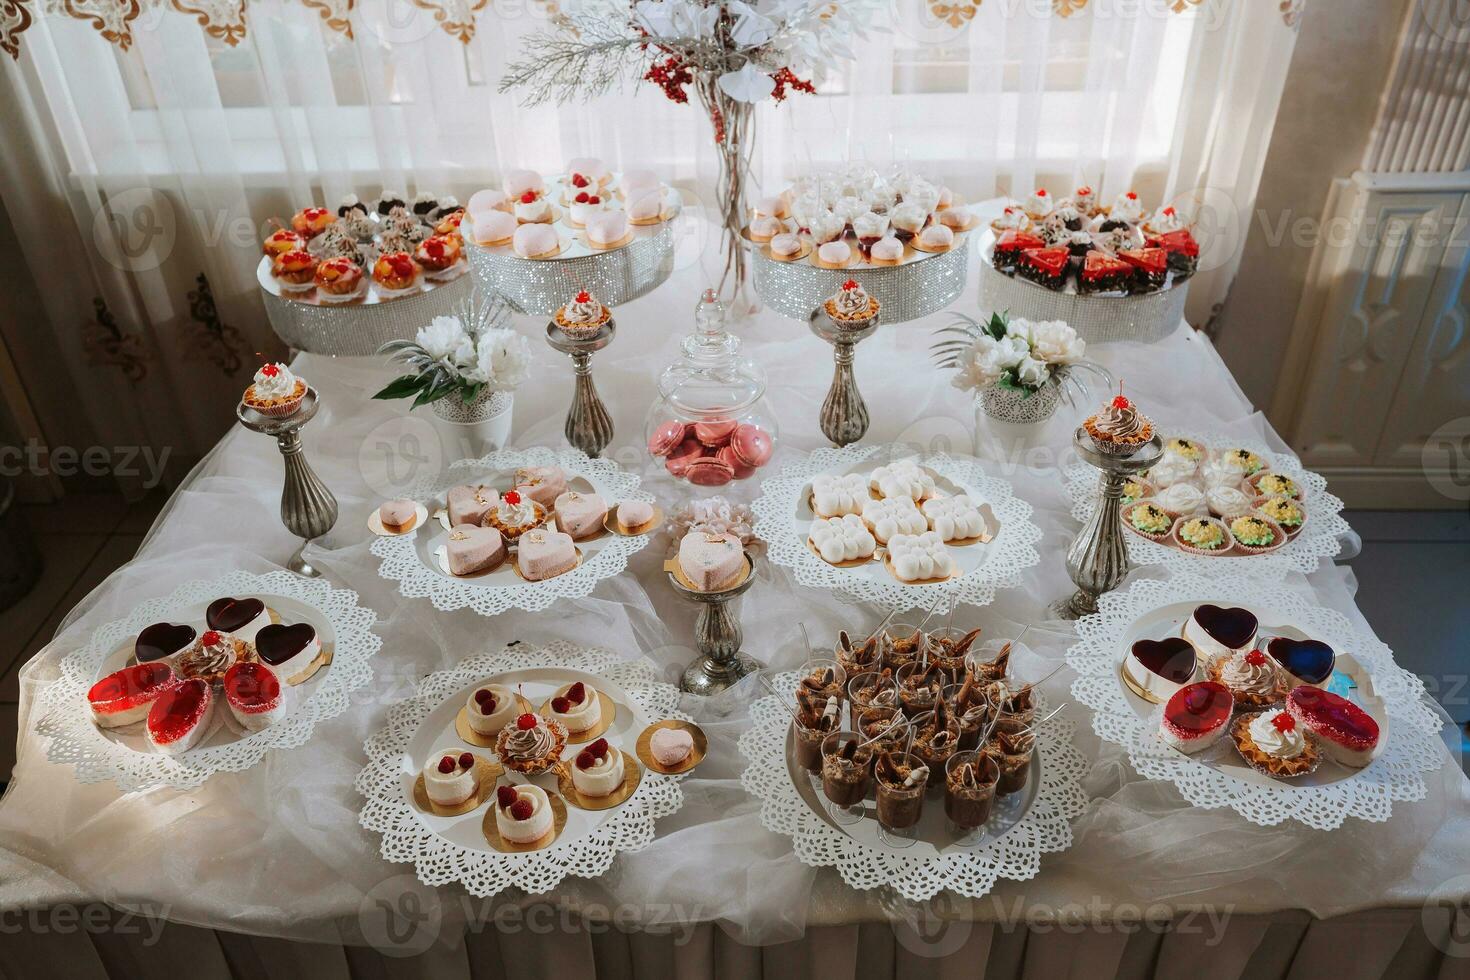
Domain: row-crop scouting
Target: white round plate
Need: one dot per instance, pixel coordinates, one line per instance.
(1153, 608)
(1319, 539)
(448, 849)
(1024, 826)
(411, 560)
(784, 516)
(124, 755)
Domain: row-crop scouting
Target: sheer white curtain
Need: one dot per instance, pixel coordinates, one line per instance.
(143, 169)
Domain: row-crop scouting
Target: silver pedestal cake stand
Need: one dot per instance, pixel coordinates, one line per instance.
(844, 417)
(717, 637)
(589, 426)
(308, 508)
(1098, 558)
(923, 284)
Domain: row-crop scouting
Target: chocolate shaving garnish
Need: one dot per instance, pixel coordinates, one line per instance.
(963, 644)
(848, 751)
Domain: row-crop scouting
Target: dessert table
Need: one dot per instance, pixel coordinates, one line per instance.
(267, 871)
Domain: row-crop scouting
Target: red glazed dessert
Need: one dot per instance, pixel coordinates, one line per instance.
(1010, 247)
(1045, 266)
(1196, 716)
(125, 696)
(254, 695)
(181, 716)
(395, 271)
(1182, 248)
(1150, 267)
(1349, 733)
(1101, 273)
(281, 241)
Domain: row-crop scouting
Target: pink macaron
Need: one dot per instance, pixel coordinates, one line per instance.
(728, 456)
(751, 444)
(715, 432)
(709, 471)
(666, 438)
(687, 452)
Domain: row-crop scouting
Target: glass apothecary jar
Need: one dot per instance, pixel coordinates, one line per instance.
(710, 423)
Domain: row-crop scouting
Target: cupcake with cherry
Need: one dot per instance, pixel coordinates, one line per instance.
(275, 391)
(582, 317)
(1119, 429)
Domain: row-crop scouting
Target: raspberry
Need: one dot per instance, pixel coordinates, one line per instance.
(485, 700)
(594, 199)
(528, 198)
(561, 705)
(506, 795)
(446, 765)
(585, 759)
(577, 693)
(521, 809)
(598, 748)
(582, 198)
(526, 722)
(466, 760)
(579, 181)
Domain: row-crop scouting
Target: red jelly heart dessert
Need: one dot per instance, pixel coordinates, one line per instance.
(506, 795)
(254, 695)
(161, 640)
(125, 696)
(1349, 733)
(1196, 716)
(181, 716)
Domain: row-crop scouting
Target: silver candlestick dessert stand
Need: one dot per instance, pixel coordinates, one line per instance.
(308, 508)
(1098, 559)
(589, 426)
(717, 637)
(844, 418)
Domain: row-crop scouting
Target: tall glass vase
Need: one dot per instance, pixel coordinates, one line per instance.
(734, 133)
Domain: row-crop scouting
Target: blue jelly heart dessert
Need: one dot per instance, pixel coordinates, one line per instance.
(1309, 661)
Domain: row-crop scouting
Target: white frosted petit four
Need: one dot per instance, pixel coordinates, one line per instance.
(954, 518)
(518, 182)
(579, 514)
(490, 708)
(917, 557)
(523, 813)
(835, 253)
(543, 553)
(531, 241)
(711, 561)
(598, 769)
(840, 539)
(449, 777)
(903, 478)
(470, 504)
(607, 228)
(577, 707)
(887, 249)
(894, 516)
(834, 496)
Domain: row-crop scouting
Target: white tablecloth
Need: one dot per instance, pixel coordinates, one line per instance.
(276, 851)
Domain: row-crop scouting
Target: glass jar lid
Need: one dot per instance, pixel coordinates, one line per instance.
(713, 377)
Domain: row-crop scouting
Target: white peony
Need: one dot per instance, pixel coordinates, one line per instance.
(502, 359)
(1054, 342)
(445, 339)
(981, 364)
(1032, 373)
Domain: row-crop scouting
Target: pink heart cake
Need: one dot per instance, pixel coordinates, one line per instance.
(471, 548)
(634, 513)
(493, 227)
(542, 484)
(470, 504)
(711, 561)
(543, 554)
(670, 746)
(580, 514)
(397, 515)
(533, 241)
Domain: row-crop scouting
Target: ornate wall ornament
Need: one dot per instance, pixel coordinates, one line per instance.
(334, 13)
(222, 19)
(957, 13)
(457, 17)
(1291, 13)
(112, 18)
(214, 340)
(105, 343)
(1066, 8)
(14, 19)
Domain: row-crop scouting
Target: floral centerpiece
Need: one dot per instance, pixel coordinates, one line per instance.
(1018, 369)
(466, 367)
(732, 54)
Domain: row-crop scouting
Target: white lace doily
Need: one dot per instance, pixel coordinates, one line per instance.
(1012, 550)
(1320, 538)
(407, 837)
(1412, 748)
(406, 560)
(1016, 854)
(74, 740)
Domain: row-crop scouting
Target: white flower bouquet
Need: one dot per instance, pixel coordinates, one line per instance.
(1012, 353)
(463, 355)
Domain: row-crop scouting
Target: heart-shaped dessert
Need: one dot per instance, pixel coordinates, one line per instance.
(1160, 667)
(124, 697)
(1349, 732)
(1217, 631)
(254, 695)
(1307, 661)
(580, 514)
(293, 652)
(543, 484)
(161, 640)
(396, 515)
(670, 746)
(243, 617)
(181, 716)
(711, 562)
(472, 549)
(469, 505)
(1196, 716)
(534, 241)
(544, 553)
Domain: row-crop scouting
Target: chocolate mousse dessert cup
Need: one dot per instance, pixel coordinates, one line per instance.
(986, 666)
(902, 643)
(816, 718)
(936, 738)
(967, 701)
(870, 690)
(948, 647)
(824, 676)
(857, 656)
(969, 793)
(919, 687)
(900, 779)
(1012, 744)
(847, 775)
(886, 727)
